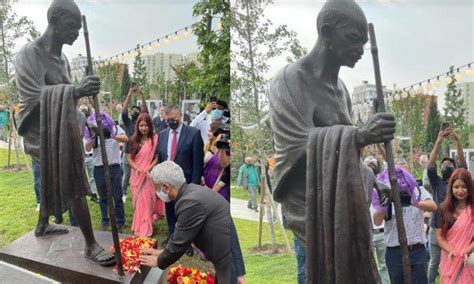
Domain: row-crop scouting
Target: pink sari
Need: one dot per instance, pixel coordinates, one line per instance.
(146, 205)
(459, 238)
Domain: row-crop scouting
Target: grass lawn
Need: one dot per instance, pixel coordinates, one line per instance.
(18, 215)
(240, 193)
(264, 268)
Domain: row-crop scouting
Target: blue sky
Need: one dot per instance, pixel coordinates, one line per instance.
(417, 39)
(119, 25)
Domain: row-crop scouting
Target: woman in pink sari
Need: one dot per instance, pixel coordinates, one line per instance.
(141, 156)
(455, 229)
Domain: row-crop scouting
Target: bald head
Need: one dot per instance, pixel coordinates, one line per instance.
(341, 13)
(343, 31)
(61, 8)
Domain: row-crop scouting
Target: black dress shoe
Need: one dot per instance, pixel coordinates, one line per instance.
(190, 251)
(104, 227)
(94, 198)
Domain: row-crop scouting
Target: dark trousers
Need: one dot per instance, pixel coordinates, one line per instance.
(393, 259)
(300, 252)
(170, 217)
(36, 175)
(116, 177)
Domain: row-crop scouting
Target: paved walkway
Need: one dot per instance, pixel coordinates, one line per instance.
(238, 209)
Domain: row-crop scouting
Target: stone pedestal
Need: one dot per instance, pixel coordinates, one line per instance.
(61, 258)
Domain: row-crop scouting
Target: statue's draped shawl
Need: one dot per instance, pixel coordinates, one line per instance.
(48, 122)
(338, 241)
(323, 188)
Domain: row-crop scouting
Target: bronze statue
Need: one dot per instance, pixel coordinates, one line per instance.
(48, 123)
(320, 180)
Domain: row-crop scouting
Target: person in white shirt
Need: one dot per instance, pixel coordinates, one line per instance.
(88, 159)
(113, 134)
(213, 112)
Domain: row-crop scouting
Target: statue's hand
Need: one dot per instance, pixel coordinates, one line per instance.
(89, 86)
(379, 128)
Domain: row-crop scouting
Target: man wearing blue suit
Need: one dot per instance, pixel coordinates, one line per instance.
(183, 145)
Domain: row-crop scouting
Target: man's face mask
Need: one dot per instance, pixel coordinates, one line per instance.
(135, 114)
(447, 170)
(172, 123)
(217, 114)
(163, 196)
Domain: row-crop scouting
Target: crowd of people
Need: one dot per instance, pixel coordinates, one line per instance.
(438, 218)
(438, 214)
(173, 170)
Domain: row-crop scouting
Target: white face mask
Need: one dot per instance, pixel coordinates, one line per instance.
(163, 196)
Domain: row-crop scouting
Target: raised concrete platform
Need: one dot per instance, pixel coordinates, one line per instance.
(61, 258)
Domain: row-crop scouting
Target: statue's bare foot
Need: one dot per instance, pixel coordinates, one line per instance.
(97, 254)
(50, 229)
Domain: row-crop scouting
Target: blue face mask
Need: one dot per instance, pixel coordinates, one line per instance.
(217, 114)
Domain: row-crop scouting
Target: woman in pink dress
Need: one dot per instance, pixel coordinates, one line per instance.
(455, 229)
(141, 156)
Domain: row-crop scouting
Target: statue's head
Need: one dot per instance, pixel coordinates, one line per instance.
(64, 17)
(343, 27)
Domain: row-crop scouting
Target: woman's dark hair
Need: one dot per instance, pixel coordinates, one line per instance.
(137, 136)
(450, 202)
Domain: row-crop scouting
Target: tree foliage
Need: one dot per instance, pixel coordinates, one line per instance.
(12, 28)
(432, 129)
(255, 41)
(140, 73)
(211, 76)
(455, 110)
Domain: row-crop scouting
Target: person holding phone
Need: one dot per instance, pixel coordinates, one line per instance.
(439, 185)
(416, 200)
(214, 111)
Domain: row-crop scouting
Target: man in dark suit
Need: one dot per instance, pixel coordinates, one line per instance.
(203, 219)
(183, 145)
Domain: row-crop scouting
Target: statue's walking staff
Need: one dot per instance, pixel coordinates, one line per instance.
(402, 237)
(105, 160)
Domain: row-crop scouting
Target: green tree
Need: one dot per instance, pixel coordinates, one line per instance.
(181, 84)
(12, 28)
(211, 76)
(408, 115)
(455, 110)
(140, 73)
(256, 41)
(432, 129)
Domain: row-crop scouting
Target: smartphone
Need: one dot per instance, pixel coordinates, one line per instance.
(444, 125)
(213, 99)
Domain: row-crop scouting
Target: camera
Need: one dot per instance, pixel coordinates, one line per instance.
(224, 143)
(405, 198)
(223, 129)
